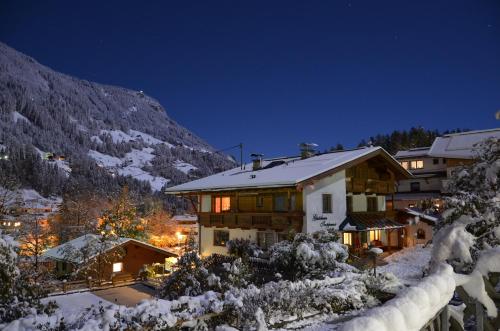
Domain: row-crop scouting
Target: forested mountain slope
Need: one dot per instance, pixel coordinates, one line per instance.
(60, 133)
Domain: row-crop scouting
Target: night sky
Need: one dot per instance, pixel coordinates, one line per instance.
(272, 74)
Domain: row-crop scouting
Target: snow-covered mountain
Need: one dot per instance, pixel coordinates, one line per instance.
(55, 129)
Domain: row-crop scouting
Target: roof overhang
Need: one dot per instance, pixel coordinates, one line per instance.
(368, 221)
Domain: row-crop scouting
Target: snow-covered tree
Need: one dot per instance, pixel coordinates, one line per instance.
(469, 236)
(471, 223)
(191, 278)
(19, 292)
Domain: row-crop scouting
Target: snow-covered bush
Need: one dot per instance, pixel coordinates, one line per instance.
(243, 248)
(238, 274)
(190, 278)
(382, 283)
(308, 255)
(147, 315)
(19, 293)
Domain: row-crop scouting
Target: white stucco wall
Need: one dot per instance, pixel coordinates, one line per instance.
(313, 202)
(207, 239)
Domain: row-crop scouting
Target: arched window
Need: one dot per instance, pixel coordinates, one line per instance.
(420, 234)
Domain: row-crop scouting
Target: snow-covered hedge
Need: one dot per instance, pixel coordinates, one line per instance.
(286, 300)
(149, 314)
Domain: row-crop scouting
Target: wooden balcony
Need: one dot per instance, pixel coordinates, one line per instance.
(278, 221)
(358, 185)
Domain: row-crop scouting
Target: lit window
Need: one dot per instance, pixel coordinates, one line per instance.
(347, 236)
(221, 238)
(375, 235)
(117, 267)
(404, 164)
(417, 164)
(222, 204)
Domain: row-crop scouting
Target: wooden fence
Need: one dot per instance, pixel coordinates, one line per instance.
(87, 285)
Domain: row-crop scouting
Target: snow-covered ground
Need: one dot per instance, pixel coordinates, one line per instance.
(408, 264)
(76, 302)
(131, 165)
(18, 116)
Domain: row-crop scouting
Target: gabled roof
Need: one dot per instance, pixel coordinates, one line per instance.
(57, 252)
(460, 145)
(288, 171)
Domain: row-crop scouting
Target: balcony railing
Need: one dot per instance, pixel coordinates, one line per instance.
(358, 185)
(279, 221)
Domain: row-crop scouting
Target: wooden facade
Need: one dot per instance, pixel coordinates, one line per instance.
(370, 177)
(257, 210)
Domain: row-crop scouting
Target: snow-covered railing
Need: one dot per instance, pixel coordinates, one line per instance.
(425, 305)
(412, 309)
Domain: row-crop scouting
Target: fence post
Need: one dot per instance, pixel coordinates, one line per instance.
(479, 316)
(445, 319)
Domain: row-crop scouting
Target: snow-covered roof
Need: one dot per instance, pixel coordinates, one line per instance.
(460, 145)
(413, 152)
(185, 217)
(282, 172)
(433, 218)
(57, 252)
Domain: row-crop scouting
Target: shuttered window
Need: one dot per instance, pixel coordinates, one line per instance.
(371, 204)
(327, 203)
(349, 203)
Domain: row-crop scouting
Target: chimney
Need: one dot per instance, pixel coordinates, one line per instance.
(307, 150)
(256, 161)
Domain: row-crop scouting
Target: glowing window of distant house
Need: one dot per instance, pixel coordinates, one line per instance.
(417, 164)
(404, 164)
(117, 267)
(347, 238)
(222, 204)
(375, 235)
